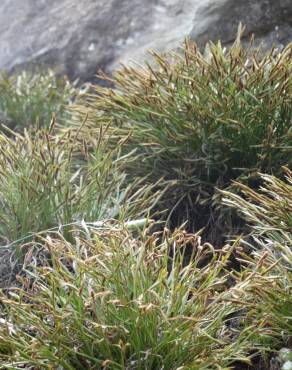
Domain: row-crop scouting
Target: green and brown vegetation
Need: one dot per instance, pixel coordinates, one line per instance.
(108, 219)
(29, 99)
(50, 180)
(200, 122)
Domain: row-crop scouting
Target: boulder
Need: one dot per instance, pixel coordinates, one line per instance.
(79, 37)
(269, 20)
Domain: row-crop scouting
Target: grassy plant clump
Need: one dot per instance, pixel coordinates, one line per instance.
(200, 121)
(192, 136)
(269, 213)
(49, 180)
(28, 99)
(112, 302)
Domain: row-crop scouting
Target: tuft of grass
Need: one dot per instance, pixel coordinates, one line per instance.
(201, 121)
(268, 211)
(48, 179)
(109, 301)
(92, 290)
(30, 99)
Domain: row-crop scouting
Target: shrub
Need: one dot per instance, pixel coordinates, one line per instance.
(29, 99)
(112, 302)
(200, 122)
(49, 180)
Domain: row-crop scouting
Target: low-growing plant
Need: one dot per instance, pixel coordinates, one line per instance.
(49, 180)
(201, 121)
(113, 302)
(31, 98)
(268, 211)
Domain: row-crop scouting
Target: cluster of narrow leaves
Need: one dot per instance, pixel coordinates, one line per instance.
(48, 180)
(269, 213)
(92, 294)
(31, 98)
(201, 121)
(109, 301)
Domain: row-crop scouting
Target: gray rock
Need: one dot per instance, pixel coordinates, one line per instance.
(79, 37)
(74, 36)
(269, 20)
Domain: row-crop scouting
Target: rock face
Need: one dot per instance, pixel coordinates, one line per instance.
(269, 20)
(79, 37)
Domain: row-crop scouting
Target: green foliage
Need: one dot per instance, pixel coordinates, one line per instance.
(201, 121)
(269, 213)
(93, 295)
(28, 98)
(49, 180)
(113, 302)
